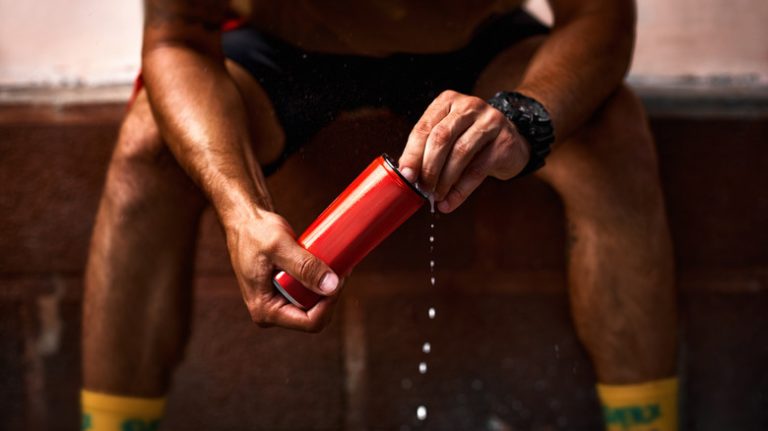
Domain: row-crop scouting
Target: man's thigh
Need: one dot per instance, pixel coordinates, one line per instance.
(267, 135)
(303, 91)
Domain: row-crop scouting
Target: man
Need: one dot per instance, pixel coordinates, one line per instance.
(222, 109)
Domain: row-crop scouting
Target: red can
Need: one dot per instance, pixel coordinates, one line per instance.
(377, 202)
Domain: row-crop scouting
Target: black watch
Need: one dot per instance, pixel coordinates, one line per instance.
(532, 121)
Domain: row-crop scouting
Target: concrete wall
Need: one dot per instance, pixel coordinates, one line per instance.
(98, 42)
(69, 42)
(708, 40)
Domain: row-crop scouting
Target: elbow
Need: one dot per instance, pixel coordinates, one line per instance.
(625, 47)
(619, 37)
(610, 27)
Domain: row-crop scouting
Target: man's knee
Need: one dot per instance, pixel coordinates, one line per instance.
(611, 161)
(142, 170)
(139, 139)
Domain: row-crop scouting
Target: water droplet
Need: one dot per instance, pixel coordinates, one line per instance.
(432, 264)
(431, 225)
(423, 367)
(421, 413)
(431, 238)
(432, 312)
(431, 203)
(497, 424)
(432, 280)
(426, 348)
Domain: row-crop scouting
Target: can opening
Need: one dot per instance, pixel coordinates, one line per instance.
(287, 295)
(392, 164)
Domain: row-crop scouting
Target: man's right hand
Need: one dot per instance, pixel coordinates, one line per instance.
(257, 248)
(203, 120)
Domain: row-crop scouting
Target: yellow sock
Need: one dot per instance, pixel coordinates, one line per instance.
(650, 406)
(102, 412)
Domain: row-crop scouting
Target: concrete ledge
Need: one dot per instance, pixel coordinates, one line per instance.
(684, 97)
(703, 99)
(65, 96)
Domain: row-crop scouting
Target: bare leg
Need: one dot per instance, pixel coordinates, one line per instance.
(621, 274)
(137, 285)
(137, 298)
(621, 267)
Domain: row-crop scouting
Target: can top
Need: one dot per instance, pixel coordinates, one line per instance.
(392, 164)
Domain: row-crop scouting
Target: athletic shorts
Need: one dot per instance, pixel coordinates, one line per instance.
(309, 89)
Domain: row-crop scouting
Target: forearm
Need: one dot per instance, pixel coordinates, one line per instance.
(583, 60)
(202, 118)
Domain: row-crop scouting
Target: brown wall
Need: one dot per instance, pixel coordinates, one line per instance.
(504, 355)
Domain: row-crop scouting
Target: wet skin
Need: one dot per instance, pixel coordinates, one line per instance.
(201, 130)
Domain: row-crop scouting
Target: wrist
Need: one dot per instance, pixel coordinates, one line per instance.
(238, 207)
(524, 149)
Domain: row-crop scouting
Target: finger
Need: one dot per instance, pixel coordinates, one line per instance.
(467, 146)
(310, 271)
(320, 315)
(276, 310)
(413, 153)
(286, 315)
(439, 144)
(470, 179)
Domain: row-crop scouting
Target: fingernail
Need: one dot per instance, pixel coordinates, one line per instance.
(409, 174)
(329, 282)
(443, 206)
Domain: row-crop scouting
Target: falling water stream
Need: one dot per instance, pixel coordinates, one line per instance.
(426, 348)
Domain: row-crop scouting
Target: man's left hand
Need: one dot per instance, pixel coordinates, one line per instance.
(457, 143)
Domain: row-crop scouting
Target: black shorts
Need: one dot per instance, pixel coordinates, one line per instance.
(309, 89)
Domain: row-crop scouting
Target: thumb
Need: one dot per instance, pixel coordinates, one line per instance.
(410, 161)
(310, 271)
(409, 166)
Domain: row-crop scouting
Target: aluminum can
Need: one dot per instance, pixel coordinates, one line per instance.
(376, 203)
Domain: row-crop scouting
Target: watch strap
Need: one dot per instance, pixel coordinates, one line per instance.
(532, 121)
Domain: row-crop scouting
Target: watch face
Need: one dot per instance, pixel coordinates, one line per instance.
(530, 117)
(533, 111)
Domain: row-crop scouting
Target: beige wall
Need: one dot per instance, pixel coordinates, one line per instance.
(97, 41)
(703, 39)
(69, 41)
